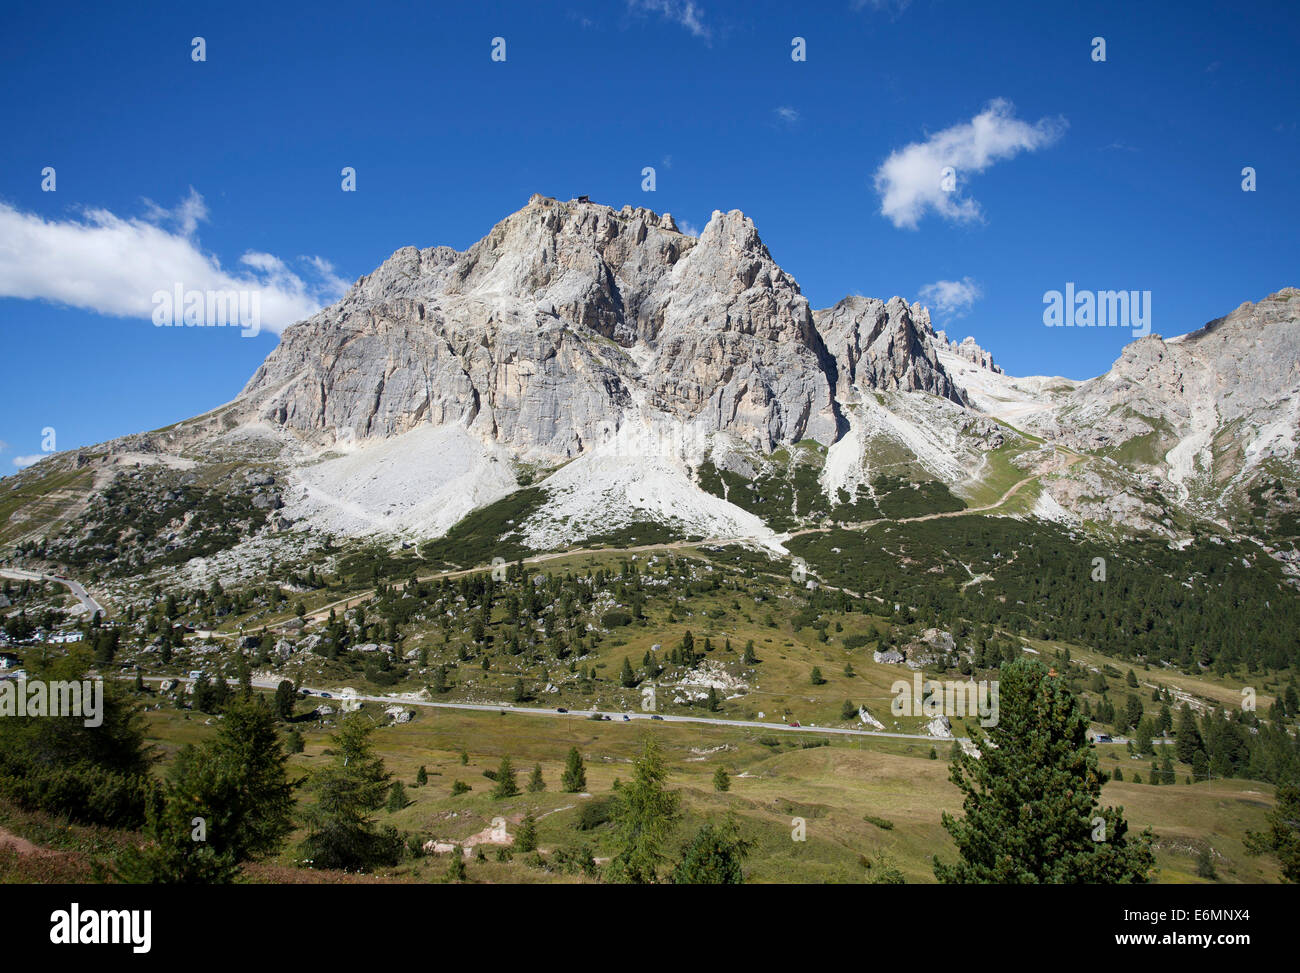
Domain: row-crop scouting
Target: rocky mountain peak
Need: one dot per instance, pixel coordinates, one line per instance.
(969, 350)
(567, 315)
(884, 345)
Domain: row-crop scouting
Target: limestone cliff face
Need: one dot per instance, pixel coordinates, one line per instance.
(885, 345)
(566, 317)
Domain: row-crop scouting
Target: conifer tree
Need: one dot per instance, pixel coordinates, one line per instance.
(535, 783)
(575, 773)
(1032, 795)
(506, 785)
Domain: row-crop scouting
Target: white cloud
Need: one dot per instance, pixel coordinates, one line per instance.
(786, 114)
(950, 298)
(689, 228)
(113, 265)
(22, 462)
(894, 7)
(912, 181)
(683, 12)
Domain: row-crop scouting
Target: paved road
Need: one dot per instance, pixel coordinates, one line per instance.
(614, 717)
(78, 592)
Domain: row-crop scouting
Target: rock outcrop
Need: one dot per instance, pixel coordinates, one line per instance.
(566, 318)
(970, 351)
(884, 345)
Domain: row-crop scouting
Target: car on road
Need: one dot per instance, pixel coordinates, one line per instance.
(626, 718)
(794, 723)
(326, 696)
(605, 717)
(304, 692)
(561, 709)
(656, 717)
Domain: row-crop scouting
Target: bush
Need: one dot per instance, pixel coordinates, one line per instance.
(595, 813)
(615, 619)
(84, 792)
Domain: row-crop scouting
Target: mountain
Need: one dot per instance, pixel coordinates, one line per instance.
(584, 374)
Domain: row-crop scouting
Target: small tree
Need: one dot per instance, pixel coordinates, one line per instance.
(574, 778)
(1282, 839)
(396, 797)
(340, 829)
(535, 783)
(721, 782)
(456, 867)
(816, 676)
(526, 836)
(222, 804)
(644, 814)
(421, 776)
(714, 856)
(506, 785)
(285, 697)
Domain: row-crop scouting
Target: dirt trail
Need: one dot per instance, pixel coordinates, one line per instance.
(321, 614)
(21, 845)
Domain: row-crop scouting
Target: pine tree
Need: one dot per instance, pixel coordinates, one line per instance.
(396, 797)
(1187, 736)
(421, 776)
(535, 783)
(714, 856)
(526, 836)
(627, 678)
(340, 829)
(1032, 795)
(575, 773)
(506, 785)
(284, 699)
(456, 867)
(644, 815)
(721, 782)
(1282, 839)
(237, 786)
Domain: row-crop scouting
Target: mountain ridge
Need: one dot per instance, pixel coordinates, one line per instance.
(639, 375)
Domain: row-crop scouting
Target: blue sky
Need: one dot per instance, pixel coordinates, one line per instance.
(1122, 174)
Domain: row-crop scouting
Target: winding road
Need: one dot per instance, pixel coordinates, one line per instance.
(78, 592)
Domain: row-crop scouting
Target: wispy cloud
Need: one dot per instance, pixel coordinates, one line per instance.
(22, 462)
(950, 298)
(786, 114)
(912, 180)
(891, 7)
(685, 13)
(113, 265)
